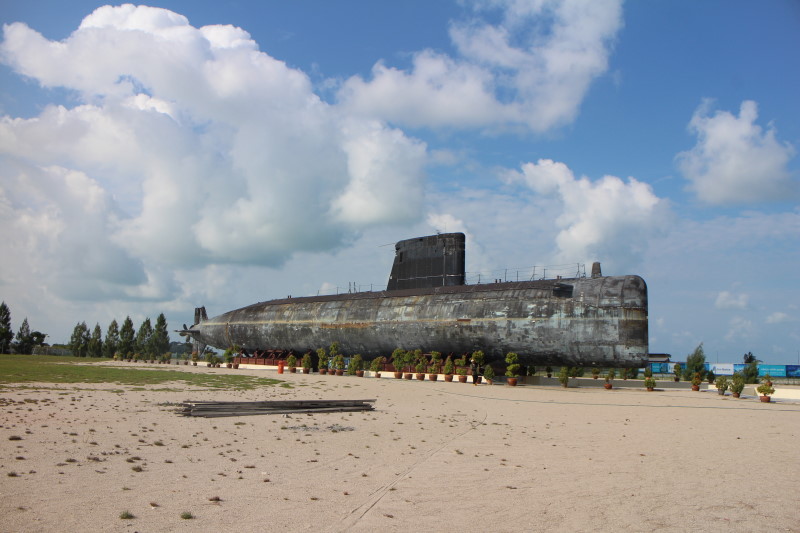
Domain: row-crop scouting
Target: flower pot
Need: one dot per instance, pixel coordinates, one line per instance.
(235, 365)
(293, 370)
(736, 394)
(323, 371)
(676, 379)
(478, 379)
(765, 399)
(549, 375)
(185, 363)
(339, 372)
(194, 363)
(377, 374)
(448, 378)
(306, 370)
(408, 375)
(607, 385)
(360, 373)
(721, 392)
(595, 377)
(420, 377)
(229, 365)
(650, 389)
(398, 375)
(695, 387)
(433, 377)
(209, 365)
(512, 381)
(462, 379)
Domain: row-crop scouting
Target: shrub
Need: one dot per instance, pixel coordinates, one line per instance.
(695, 364)
(563, 375)
(649, 382)
(611, 374)
(448, 365)
(710, 376)
(488, 372)
(291, 361)
(737, 383)
(722, 383)
(512, 360)
(677, 371)
(595, 371)
(377, 364)
(305, 362)
(765, 389)
(323, 357)
(356, 364)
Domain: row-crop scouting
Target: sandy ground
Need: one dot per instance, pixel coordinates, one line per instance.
(431, 457)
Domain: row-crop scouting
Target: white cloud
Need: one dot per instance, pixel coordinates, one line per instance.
(740, 328)
(778, 318)
(189, 147)
(607, 219)
(533, 68)
(727, 300)
(734, 160)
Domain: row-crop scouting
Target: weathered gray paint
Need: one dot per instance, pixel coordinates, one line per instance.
(580, 322)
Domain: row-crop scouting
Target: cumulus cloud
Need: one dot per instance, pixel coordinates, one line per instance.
(608, 219)
(735, 161)
(727, 300)
(532, 68)
(188, 147)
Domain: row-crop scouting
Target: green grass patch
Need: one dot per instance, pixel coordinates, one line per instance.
(54, 369)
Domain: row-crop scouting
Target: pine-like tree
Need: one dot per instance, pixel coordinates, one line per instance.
(95, 346)
(6, 334)
(159, 342)
(143, 336)
(112, 340)
(24, 343)
(127, 340)
(79, 342)
(695, 364)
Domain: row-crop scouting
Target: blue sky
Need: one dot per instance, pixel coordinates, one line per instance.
(220, 153)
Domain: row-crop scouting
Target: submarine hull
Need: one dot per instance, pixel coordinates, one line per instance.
(598, 321)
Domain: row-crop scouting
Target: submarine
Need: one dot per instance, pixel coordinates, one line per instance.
(580, 321)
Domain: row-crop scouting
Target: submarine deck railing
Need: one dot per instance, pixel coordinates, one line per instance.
(535, 273)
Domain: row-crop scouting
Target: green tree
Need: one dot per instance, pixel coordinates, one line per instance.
(79, 341)
(750, 358)
(112, 339)
(95, 346)
(750, 372)
(6, 334)
(695, 364)
(127, 341)
(143, 337)
(23, 344)
(159, 341)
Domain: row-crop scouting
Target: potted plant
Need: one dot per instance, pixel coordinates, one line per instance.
(448, 369)
(512, 370)
(338, 364)
(461, 369)
(595, 372)
(710, 377)
(291, 362)
(650, 383)
(766, 389)
(377, 365)
(549, 371)
(677, 372)
(696, 381)
(563, 376)
(305, 362)
(737, 384)
(610, 375)
(767, 379)
(322, 355)
(433, 372)
(479, 358)
(722, 385)
(422, 364)
(356, 366)
(228, 356)
(436, 361)
(195, 357)
(398, 360)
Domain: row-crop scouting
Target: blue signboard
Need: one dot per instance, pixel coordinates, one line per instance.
(776, 371)
(793, 371)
